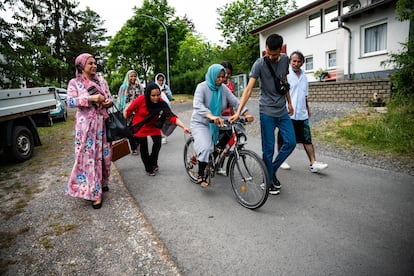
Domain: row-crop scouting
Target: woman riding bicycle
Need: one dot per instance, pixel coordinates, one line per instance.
(210, 98)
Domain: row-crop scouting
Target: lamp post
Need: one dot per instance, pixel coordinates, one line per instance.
(166, 45)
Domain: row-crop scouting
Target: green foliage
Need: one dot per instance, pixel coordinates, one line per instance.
(403, 78)
(237, 19)
(193, 59)
(41, 42)
(141, 45)
(405, 10)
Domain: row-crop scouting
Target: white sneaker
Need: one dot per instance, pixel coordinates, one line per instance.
(164, 140)
(221, 171)
(317, 167)
(285, 166)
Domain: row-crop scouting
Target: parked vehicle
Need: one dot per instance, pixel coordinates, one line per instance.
(21, 111)
(63, 93)
(61, 111)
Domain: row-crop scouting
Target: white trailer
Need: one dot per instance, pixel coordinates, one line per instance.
(20, 109)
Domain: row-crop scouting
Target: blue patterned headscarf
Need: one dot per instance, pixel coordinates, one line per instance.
(216, 102)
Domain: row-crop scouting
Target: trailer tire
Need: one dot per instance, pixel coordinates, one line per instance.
(22, 147)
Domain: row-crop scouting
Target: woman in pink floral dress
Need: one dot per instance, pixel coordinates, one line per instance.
(89, 93)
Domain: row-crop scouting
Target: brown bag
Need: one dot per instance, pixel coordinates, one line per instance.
(120, 149)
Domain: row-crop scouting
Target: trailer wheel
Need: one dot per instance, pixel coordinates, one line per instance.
(22, 144)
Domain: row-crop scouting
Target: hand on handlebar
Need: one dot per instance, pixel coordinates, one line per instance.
(218, 121)
(249, 118)
(234, 117)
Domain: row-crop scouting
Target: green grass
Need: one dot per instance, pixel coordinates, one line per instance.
(390, 134)
(182, 98)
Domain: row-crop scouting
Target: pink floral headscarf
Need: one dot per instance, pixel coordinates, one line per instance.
(80, 63)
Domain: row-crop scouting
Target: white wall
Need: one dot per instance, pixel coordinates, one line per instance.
(295, 38)
(397, 33)
(294, 32)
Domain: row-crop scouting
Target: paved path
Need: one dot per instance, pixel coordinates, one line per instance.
(350, 220)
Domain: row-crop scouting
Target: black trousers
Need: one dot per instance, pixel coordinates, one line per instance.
(132, 142)
(150, 160)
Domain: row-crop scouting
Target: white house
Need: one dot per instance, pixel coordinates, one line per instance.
(349, 39)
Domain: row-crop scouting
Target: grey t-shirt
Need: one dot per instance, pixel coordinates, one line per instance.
(270, 102)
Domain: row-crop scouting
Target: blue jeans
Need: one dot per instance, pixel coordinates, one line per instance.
(268, 124)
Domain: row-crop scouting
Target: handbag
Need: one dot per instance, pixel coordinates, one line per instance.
(282, 86)
(164, 124)
(120, 149)
(116, 126)
(168, 128)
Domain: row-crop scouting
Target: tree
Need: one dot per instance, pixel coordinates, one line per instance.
(42, 26)
(193, 59)
(140, 44)
(236, 21)
(402, 78)
(85, 35)
(39, 45)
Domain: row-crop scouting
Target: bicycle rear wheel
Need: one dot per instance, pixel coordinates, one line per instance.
(249, 179)
(190, 160)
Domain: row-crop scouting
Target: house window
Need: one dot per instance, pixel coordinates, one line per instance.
(331, 58)
(309, 63)
(314, 24)
(374, 38)
(329, 14)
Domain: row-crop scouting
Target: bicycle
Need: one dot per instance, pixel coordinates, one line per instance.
(248, 173)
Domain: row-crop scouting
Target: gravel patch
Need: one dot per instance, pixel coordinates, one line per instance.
(56, 234)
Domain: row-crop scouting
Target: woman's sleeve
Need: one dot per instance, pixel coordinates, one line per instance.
(77, 94)
(173, 119)
(199, 103)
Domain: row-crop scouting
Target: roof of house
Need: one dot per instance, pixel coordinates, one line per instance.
(345, 17)
(289, 16)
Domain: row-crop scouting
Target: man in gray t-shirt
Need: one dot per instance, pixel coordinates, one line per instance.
(272, 106)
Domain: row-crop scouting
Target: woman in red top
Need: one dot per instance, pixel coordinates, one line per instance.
(148, 108)
(227, 81)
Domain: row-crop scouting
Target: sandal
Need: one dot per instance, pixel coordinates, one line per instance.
(97, 204)
(134, 152)
(151, 173)
(202, 182)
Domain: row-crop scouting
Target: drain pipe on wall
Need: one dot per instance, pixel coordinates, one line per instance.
(341, 25)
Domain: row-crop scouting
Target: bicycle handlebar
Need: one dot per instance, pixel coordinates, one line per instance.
(242, 120)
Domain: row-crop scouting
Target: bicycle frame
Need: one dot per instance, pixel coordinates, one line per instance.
(246, 170)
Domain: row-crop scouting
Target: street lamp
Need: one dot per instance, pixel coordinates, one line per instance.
(166, 45)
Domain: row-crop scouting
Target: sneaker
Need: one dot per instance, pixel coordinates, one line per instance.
(276, 183)
(164, 140)
(317, 167)
(274, 191)
(285, 166)
(221, 171)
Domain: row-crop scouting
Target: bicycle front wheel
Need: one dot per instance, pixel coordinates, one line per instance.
(190, 160)
(249, 179)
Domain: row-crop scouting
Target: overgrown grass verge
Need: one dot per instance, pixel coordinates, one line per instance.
(390, 134)
(17, 189)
